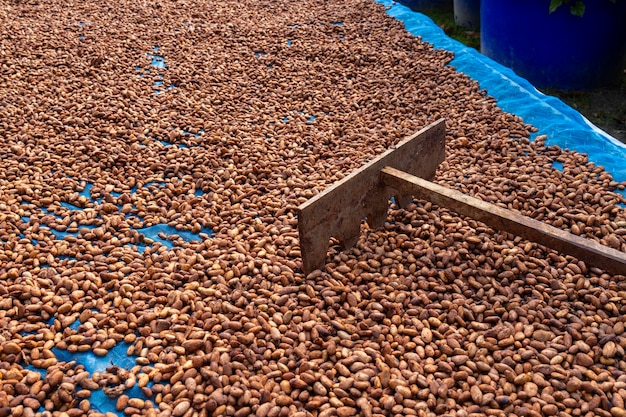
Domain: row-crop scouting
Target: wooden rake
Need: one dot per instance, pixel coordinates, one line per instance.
(402, 172)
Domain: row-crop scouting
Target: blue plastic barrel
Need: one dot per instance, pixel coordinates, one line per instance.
(557, 50)
(467, 14)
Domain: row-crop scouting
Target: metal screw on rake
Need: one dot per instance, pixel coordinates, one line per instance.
(403, 172)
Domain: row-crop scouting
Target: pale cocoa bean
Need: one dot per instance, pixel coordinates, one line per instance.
(181, 408)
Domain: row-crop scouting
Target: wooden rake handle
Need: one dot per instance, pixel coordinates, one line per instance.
(586, 250)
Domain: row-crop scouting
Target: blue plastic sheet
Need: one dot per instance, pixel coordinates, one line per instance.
(562, 125)
(117, 355)
(162, 233)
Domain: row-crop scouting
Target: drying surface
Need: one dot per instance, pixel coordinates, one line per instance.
(212, 121)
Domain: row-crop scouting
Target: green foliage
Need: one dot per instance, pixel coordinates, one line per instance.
(577, 8)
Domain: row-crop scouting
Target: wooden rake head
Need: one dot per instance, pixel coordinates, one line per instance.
(339, 210)
(402, 172)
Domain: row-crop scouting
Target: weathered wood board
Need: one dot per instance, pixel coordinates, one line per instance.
(586, 250)
(339, 210)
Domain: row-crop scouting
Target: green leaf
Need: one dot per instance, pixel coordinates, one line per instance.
(578, 8)
(554, 4)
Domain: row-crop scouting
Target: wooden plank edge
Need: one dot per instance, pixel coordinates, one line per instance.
(396, 148)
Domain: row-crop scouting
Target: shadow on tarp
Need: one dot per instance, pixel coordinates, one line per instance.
(117, 356)
(562, 125)
(92, 363)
